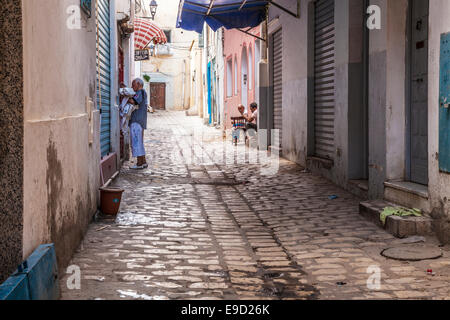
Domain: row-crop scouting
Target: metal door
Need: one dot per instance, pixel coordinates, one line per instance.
(104, 74)
(324, 78)
(277, 81)
(158, 95)
(419, 92)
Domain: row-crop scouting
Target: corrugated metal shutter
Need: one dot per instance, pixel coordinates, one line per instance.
(324, 74)
(104, 75)
(277, 69)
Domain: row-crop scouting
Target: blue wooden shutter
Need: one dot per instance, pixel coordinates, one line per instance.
(104, 75)
(444, 108)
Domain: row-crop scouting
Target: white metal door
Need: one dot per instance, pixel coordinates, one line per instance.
(277, 80)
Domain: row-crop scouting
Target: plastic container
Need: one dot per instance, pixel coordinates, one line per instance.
(110, 200)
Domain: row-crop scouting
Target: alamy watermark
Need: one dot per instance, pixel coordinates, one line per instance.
(74, 280)
(196, 148)
(374, 280)
(374, 19)
(74, 20)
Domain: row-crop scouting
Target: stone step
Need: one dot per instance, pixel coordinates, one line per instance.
(400, 227)
(407, 194)
(360, 188)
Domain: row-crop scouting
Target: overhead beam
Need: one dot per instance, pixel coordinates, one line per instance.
(251, 34)
(210, 7)
(295, 15)
(243, 4)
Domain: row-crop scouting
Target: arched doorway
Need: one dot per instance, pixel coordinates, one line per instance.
(244, 78)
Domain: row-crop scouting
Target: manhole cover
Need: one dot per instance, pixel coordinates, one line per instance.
(412, 253)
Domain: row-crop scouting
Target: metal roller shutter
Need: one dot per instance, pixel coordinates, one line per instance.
(277, 74)
(324, 78)
(104, 74)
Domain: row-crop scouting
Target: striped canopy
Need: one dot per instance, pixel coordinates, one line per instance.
(145, 32)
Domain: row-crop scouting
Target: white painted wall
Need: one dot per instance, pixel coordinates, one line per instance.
(61, 175)
(172, 69)
(295, 78)
(62, 168)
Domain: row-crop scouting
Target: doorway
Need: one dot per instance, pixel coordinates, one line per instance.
(158, 95)
(417, 106)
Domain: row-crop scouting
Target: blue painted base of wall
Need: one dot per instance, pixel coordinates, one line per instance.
(35, 279)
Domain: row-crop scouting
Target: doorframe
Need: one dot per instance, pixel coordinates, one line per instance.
(366, 91)
(408, 60)
(408, 89)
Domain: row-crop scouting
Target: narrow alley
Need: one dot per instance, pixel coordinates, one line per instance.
(199, 224)
(224, 150)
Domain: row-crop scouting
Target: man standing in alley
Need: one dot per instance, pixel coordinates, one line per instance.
(138, 123)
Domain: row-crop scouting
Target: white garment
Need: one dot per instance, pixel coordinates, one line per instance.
(255, 116)
(137, 140)
(126, 109)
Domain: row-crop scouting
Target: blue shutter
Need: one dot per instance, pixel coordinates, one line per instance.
(104, 75)
(444, 108)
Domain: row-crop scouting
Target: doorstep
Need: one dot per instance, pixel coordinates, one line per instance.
(407, 194)
(400, 227)
(318, 163)
(360, 188)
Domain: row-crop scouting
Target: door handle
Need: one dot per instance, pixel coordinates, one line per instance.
(418, 80)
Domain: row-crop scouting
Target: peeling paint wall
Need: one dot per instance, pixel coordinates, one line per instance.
(387, 104)
(11, 137)
(61, 174)
(298, 88)
(196, 84)
(295, 78)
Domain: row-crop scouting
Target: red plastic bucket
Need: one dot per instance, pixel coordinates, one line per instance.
(110, 200)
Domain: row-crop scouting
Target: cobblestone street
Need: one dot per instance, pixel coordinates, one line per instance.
(200, 224)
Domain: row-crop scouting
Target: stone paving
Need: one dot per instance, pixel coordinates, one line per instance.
(201, 224)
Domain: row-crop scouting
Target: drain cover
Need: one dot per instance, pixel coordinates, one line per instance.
(412, 253)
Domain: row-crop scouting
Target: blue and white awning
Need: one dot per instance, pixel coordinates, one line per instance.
(231, 14)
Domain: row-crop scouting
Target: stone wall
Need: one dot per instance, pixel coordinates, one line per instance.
(11, 137)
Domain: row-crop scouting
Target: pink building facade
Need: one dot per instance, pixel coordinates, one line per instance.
(241, 55)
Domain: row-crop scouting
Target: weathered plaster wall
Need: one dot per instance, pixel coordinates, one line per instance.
(61, 173)
(339, 172)
(397, 13)
(387, 118)
(295, 78)
(298, 84)
(439, 187)
(196, 93)
(11, 137)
